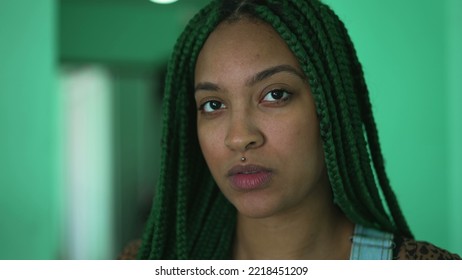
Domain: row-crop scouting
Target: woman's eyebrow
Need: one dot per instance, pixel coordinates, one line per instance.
(260, 76)
(207, 86)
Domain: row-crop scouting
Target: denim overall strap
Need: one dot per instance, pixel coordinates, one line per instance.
(371, 244)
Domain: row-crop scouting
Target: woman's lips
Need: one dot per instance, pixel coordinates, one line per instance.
(249, 177)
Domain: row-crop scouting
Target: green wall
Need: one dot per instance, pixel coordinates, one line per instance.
(123, 32)
(454, 67)
(28, 134)
(404, 49)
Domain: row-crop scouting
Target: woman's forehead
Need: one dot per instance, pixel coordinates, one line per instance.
(244, 43)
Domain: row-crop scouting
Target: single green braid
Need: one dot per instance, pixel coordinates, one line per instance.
(190, 217)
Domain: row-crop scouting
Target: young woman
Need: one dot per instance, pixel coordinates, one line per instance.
(270, 150)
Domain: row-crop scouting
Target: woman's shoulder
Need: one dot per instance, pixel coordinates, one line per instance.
(410, 249)
(130, 252)
(406, 249)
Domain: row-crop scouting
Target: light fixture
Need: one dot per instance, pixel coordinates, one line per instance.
(163, 1)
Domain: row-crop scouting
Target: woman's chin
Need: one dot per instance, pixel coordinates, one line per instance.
(256, 208)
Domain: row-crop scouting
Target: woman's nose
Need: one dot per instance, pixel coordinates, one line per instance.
(243, 134)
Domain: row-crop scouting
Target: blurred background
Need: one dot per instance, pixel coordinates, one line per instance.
(80, 94)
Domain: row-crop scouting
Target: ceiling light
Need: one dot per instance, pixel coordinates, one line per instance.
(163, 1)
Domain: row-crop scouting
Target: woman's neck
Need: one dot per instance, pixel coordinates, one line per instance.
(322, 233)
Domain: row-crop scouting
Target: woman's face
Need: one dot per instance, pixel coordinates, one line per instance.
(254, 102)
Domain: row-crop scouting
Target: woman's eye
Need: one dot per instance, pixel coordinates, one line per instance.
(212, 106)
(276, 95)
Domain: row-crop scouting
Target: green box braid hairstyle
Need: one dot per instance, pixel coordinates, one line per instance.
(190, 218)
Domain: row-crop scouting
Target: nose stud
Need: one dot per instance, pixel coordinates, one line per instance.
(243, 159)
